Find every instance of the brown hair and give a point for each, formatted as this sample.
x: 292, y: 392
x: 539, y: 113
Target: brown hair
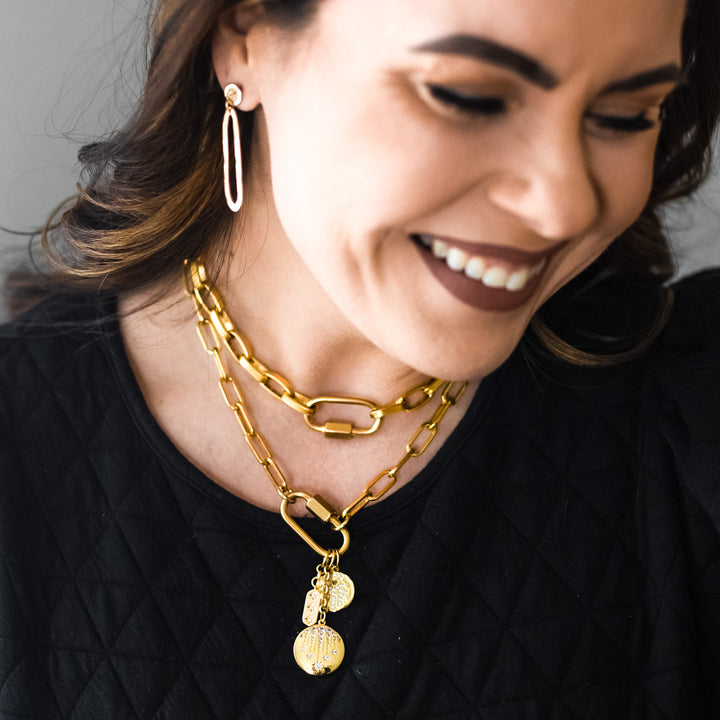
x: 152, y: 196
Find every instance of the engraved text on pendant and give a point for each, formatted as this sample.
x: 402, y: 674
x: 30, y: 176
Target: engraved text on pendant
x: 341, y: 591
x: 319, y: 650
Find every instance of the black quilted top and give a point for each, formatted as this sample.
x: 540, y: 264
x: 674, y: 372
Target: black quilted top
x: 558, y: 558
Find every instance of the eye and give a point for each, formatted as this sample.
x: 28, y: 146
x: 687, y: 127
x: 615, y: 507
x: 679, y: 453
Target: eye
x: 466, y: 104
x: 623, y: 124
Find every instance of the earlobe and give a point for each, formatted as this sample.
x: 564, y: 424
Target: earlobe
x: 230, y: 56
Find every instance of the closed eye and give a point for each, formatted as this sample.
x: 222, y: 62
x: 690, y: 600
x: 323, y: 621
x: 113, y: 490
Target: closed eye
x: 483, y: 105
x: 467, y: 104
x: 623, y: 124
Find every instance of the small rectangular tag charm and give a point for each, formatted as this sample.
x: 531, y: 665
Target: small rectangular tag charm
x: 313, y: 601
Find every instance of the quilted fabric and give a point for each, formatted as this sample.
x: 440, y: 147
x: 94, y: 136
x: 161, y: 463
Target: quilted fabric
x: 558, y: 558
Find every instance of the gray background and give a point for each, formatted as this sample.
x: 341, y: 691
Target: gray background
x: 72, y: 68
x: 70, y: 71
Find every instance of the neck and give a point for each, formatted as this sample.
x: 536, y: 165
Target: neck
x: 293, y: 328
x: 292, y: 325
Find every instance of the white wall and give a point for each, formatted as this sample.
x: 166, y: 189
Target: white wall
x: 70, y: 68
x: 69, y: 71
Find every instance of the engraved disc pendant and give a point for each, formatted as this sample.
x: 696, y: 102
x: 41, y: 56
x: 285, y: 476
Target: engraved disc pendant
x: 341, y: 591
x: 319, y: 650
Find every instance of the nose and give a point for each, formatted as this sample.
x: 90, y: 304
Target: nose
x: 549, y: 185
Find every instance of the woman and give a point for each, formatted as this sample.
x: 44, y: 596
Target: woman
x: 356, y: 536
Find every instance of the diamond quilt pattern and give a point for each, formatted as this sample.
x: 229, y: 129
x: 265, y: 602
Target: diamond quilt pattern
x: 558, y: 558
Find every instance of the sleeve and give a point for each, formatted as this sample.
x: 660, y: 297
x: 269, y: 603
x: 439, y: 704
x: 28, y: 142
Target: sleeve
x: 688, y: 367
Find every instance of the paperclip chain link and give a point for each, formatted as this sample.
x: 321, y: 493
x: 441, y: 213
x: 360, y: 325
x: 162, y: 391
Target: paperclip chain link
x: 217, y: 331
x: 208, y: 302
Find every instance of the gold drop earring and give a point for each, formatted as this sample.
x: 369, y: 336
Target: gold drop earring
x: 233, y: 98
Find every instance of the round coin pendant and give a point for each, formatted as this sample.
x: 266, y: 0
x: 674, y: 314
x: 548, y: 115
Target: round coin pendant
x: 341, y: 592
x: 319, y: 650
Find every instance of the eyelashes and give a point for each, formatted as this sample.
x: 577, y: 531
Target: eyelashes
x: 488, y: 106
x: 470, y: 104
x: 634, y: 123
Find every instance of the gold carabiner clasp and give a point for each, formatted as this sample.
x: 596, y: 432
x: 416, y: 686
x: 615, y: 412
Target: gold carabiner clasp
x: 322, y: 510
x: 340, y: 429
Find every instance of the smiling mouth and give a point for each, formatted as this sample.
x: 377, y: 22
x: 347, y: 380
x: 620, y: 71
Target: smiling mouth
x: 487, y: 277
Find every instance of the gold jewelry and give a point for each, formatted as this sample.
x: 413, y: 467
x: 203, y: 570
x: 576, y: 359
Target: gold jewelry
x: 281, y: 388
x: 318, y: 650
x: 233, y: 98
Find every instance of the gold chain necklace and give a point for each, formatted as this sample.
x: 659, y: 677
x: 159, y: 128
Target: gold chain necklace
x: 318, y: 649
x: 281, y: 388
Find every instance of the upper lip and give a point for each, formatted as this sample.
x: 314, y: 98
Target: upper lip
x: 514, y: 256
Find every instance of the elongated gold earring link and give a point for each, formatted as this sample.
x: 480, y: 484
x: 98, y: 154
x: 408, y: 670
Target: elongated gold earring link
x: 233, y: 98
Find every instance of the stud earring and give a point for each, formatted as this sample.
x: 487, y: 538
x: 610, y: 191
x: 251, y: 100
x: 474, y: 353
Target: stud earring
x: 233, y: 98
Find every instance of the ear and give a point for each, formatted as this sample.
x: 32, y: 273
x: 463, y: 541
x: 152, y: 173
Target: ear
x: 230, y: 55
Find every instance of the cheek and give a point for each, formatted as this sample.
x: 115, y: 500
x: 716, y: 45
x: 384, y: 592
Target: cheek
x: 626, y: 180
x: 359, y: 168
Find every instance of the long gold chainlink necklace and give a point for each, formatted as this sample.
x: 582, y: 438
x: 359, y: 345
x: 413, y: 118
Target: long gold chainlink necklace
x: 318, y: 649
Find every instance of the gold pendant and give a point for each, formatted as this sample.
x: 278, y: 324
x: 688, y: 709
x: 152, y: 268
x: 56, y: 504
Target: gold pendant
x: 319, y: 650
x: 313, y: 605
x: 341, y: 591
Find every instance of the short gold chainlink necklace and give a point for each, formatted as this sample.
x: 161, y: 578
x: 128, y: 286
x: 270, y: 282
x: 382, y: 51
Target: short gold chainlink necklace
x: 281, y: 388
x: 318, y: 649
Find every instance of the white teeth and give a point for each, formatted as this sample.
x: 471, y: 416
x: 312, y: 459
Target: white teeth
x: 480, y: 268
x: 475, y: 268
x: 457, y: 259
x: 440, y: 249
x: 517, y: 280
x: 495, y: 277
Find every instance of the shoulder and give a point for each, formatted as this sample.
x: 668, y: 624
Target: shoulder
x: 695, y: 323
x: 57, y: 324
x: 685, y: 365
x: 686, y: 358
x: 53, y: 349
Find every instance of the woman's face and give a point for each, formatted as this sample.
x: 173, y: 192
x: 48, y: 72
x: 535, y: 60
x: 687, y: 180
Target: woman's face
x: 443, y: 167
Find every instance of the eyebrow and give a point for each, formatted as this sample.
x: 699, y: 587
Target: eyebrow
x: 479, y: 48
x: 664, y: 74
x: 494, y: 53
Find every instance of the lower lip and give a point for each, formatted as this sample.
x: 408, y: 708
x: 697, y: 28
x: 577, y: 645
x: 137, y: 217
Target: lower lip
x: 473, y: 292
